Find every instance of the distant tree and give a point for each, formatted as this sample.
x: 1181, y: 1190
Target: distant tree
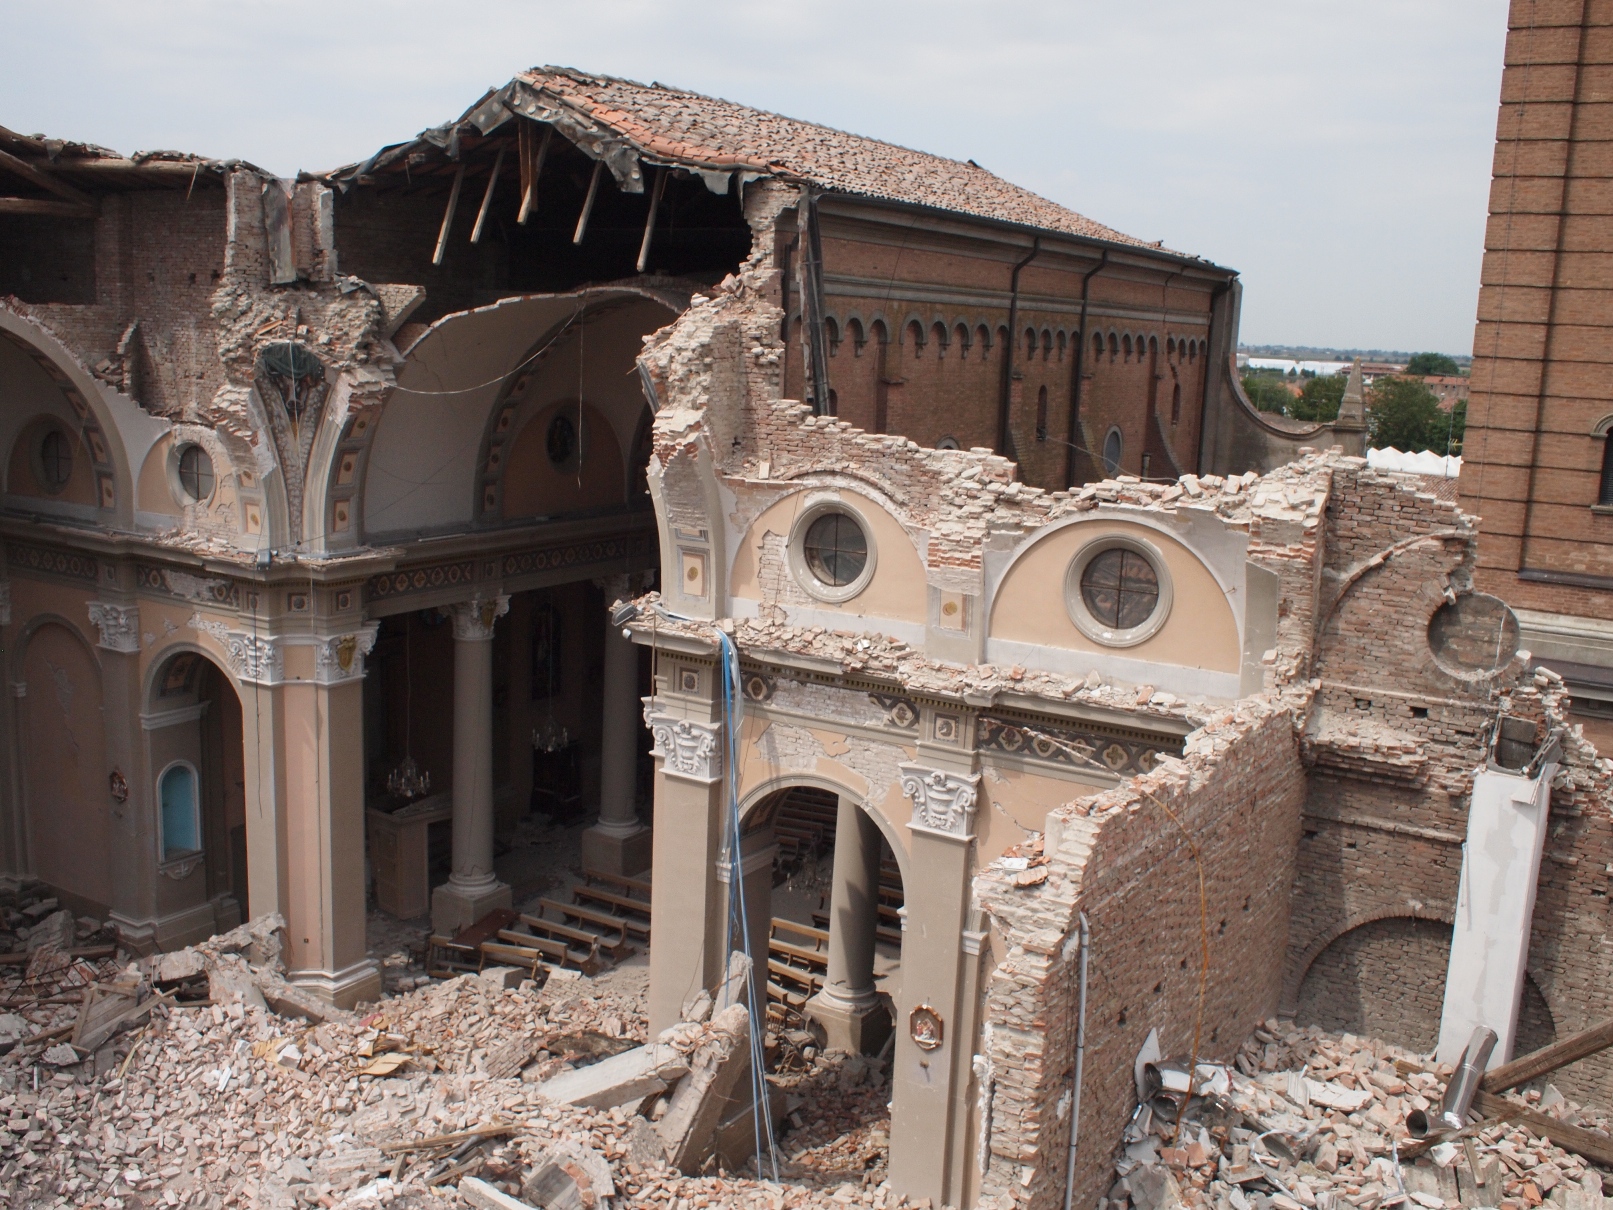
x: 1267, y: 392
x: 1404, y: 413
x: 1433, y: 365
x: 1456, y: 427
x: 1319, y: 398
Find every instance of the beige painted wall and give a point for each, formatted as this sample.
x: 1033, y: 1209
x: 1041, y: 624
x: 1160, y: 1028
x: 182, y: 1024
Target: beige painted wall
x: 897, y: 589
x: 1201, y: 631
x: 152, y: 494
x: 1014, y: 803
x: 22, y: 477
x: 534, y: 486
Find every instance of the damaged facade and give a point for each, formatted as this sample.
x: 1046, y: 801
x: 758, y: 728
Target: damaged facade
x: 952, y: 508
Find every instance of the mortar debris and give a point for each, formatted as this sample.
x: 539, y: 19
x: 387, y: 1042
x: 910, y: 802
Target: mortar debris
x: 1306, y: 1118
x: 217, y: 1100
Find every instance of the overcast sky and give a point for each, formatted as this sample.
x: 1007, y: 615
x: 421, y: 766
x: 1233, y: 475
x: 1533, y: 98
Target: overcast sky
x: 1335, y: 152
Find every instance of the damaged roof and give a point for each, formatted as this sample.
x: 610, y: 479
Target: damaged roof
x: 624, y: 122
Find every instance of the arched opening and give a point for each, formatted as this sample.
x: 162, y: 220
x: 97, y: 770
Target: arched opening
x: 194, y: 735
x: 824, y: 888
x: 1382, y: 979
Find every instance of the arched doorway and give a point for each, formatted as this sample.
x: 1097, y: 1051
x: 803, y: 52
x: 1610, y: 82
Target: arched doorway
x: 67, y: 813
x: 824, y: 899
x: 196, y: 759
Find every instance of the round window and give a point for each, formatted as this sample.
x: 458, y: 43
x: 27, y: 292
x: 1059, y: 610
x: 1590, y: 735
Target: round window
x: 1117, y: 591
x: 196, y: 472
x: 561, y: 440
x: 1112, y: 449
x: 836, y: 549
x: 55, y: 461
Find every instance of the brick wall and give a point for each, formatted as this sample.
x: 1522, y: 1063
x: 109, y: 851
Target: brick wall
x: 1542, y: 347
x: 1120, y: 858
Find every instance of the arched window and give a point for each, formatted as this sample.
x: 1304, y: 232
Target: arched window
x: 983, y: 338
x: 854, y: 329
x: 1605, y: 496
x: 1125, y: 346
x: 1063, y: 340
x: 961, y: 335
x: 1097, y: 344
x: 831, y: 333
x: 1153, y: 344
x: 1047, y: 344
x: 879, y: 332
x: 1192, y: 350
x: 1114, y: 346
x: 1041, y: 414
x: 939, y: 332
x: 181, y: 818
x: 1030, y: 344
x: 1176, y: 403
x: 834, y: 402
x: 915, y: 336
x: 1170, y: 346
x: 1002, y: 339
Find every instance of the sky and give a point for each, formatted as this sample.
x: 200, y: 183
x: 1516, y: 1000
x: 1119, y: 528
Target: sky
x: 1335, y: 152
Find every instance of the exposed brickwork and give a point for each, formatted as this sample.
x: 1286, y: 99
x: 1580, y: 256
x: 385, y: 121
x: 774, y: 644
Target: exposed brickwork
x: 1122, y: 860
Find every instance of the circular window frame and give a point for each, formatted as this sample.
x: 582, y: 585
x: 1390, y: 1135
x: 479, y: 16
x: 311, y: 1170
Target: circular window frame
x: 36, y: 457
x: 802, y: 572
x: 176, y: 485
x: 1075, y: 604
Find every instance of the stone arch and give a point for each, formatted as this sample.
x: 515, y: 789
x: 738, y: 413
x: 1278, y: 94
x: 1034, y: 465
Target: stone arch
x: 97, y: 428
x: 763, y: 790
x: 1385, y: 979
x: 1301, y: 965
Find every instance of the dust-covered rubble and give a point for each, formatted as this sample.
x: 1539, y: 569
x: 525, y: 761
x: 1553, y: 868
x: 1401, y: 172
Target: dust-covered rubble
x: 1305, y: 1118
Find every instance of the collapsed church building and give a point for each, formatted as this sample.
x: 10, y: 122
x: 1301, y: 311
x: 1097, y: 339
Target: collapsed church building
x: 614, y: 446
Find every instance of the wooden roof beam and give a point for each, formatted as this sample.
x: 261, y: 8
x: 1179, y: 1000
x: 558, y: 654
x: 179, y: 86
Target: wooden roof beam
x: 47, y: 182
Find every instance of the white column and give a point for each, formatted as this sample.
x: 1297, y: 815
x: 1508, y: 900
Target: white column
x: 618, y: 843
x: 848, y: 1007
x: 472, y: 889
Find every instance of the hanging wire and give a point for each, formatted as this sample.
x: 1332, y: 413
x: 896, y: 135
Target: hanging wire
x: 761, y: 1109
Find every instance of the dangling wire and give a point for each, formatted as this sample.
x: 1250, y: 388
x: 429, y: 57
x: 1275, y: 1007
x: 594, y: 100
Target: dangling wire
x: 738, y: 933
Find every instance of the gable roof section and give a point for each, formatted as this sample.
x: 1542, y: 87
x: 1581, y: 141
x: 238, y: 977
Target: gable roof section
x: 624, y: 122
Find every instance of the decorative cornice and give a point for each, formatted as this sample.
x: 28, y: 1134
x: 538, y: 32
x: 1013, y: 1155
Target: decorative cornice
x: 119, y: 625
x: 687, y: 749
x: 474, y: 620
x: 943, y: 803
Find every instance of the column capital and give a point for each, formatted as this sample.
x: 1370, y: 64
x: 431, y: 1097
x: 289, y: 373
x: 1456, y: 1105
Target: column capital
x: 688, y: 749
x: 474, y: 620
x: 341, y: 657
x: 119, y: 625
x: 944, y: 803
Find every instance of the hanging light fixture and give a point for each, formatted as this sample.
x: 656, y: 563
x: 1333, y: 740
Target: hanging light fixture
x: 407, y: 781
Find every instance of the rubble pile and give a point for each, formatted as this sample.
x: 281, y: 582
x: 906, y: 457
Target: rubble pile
x: 217, y: 1084
x: 1303, y: 1118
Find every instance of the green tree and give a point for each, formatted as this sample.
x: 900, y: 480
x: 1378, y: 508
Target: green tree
x: 1433, y: 365
x: 1266, y: 391
x: 1404, y: 413
x: 1319, y: 398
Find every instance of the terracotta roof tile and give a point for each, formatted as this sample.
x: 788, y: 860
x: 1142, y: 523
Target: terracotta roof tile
x: 687, y: 127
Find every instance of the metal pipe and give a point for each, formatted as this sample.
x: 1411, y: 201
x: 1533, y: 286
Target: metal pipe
x: 1070, y: 450
x: 588, y: 202
x: 487, y: 198
x: 1080, y: 1062
x: 649, y: 220
x: 448, y: 215
x: 1003, y: 417
x: 1459, y: 1089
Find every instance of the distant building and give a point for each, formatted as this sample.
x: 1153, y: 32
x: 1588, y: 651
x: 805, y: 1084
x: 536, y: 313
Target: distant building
x: 1448, y: 388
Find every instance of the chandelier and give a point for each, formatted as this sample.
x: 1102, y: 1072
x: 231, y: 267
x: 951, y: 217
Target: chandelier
x: 407, y: 781
x: 551, y: 737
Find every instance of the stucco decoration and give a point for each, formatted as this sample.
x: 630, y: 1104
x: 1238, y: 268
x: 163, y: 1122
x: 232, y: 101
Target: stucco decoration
x: 687, y: 749
x: 341, y: 657
x: 250, y: 657
x: 119, y: 625
x: 181, y: 868
x: 474, y: 620
x: 943, y: 803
